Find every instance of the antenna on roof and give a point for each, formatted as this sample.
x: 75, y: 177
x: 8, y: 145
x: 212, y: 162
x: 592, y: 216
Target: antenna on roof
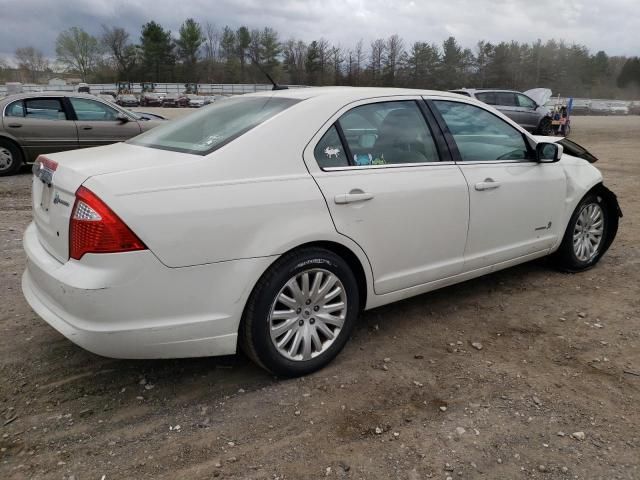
x: 266, y: 74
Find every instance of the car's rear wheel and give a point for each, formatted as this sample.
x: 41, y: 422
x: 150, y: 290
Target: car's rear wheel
x: 301, y: 312
x: 10, y: 158
x: 585, y: 240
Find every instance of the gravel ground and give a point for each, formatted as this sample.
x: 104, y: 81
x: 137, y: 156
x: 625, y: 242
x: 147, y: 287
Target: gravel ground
x: 552, y: 393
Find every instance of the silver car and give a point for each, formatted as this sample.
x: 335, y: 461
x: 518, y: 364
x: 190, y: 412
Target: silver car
x: 47, y: 122
x: 527, y: 109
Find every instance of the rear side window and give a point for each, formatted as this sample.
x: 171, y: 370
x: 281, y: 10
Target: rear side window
x: 506, y: 99
x: 329, y: 151
x: 44, y: 109
x: 480, y: 135
x: 487, y: 97
x: 388, y: 133
x: 15, y: 109
x: 214, y: 126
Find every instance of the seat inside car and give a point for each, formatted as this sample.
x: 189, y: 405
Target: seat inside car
x: 403, y: 138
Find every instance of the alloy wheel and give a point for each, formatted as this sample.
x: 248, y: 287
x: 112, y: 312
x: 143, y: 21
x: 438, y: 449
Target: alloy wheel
x: 308, y: 314
x: 6, y: 159
x: 588, y: 232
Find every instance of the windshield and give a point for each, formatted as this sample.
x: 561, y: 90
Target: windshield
x: 214, y: 126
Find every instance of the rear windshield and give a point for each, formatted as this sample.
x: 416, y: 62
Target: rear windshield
x: 214, y: 126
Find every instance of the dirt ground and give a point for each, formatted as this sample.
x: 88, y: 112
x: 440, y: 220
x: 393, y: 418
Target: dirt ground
x: 552, y: 394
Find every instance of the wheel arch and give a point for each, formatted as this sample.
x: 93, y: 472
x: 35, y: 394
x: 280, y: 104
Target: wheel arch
x: 613, y: 209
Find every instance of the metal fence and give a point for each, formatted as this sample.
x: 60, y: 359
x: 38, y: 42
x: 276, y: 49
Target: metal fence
x: 203, y: 88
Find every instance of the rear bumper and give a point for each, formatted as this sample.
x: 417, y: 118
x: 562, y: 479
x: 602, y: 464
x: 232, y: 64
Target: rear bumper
x: 129, y: 305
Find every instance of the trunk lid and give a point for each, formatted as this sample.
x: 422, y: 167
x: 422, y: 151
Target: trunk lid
x: 53, y: 192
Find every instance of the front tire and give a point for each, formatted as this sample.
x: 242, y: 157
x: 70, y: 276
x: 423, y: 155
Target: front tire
x: 586, y: 238
x: 300, y: 313
x: 545, y: 128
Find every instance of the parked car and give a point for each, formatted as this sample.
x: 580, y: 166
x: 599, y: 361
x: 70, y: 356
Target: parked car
x: 196, y: 101
x: 47, y: 122
x: 527, y: 109
x: 270, y: 220
x: 634, y: 108
x: 127, y: 100
x: 175, y: 100
x: 150, y: 99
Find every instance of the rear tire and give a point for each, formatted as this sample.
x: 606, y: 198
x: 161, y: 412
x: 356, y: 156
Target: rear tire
x: 300, y: 313
x: 10, y: 158
x: 587, y: 236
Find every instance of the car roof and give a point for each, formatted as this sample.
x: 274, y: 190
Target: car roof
x: 350, y: 93
x: 484, y: 90
x: 18, y: 96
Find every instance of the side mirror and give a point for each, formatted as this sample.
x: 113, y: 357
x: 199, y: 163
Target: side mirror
x: 547, y: 152
x: 122, y: 118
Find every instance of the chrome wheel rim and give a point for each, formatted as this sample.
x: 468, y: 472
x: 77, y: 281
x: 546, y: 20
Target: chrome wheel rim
x: 308, y: 314
x: 588, y: 232
x: 6, y: 159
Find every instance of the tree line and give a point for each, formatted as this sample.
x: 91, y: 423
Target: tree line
x: 204, y: 53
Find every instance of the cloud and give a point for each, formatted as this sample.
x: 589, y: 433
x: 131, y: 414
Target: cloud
x: 611, y: 26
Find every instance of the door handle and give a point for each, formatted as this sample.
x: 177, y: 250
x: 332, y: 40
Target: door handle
x: 14, y: 125
x: 488, y: 184
x: 87, y: 127
x: 352, y: 197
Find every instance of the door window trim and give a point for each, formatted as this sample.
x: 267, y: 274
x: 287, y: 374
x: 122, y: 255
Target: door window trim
x: 442, y: 149
x: 453, y: 146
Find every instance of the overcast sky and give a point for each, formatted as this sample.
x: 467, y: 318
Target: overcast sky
x: 610, y: 25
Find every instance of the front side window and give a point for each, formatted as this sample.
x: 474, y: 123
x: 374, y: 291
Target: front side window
x: 15, y: 109
x: 329, y: 152
x: 209, y: 129
x: 44, y: 109
x: 525, y: 101
x: 92, y: 111
x: 388, y: 133
x: 480, y: 135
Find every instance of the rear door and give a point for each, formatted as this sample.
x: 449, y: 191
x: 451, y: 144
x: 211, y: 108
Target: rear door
x: 41, y: 124
x: 390, y: 186
x: 516, y: 203
x: 98, y: 123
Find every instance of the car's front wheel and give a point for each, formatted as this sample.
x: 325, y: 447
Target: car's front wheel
x: 545, y: 128
x: 301, y: 312
x: 586, y: 238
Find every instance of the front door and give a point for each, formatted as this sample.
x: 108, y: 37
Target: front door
x: 42, y: 125
x: 515, y: 202
x: 528, y: 112
x: 98, y: 123
x: 386, y: 189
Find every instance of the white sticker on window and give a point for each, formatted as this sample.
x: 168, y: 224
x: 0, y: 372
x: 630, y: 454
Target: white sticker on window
x: 332, y: 152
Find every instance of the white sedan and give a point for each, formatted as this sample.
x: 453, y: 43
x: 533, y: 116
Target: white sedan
x: 271, y: 220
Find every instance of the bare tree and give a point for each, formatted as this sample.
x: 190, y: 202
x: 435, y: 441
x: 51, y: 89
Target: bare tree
x: 393, y: 51
x: 116, y: 43
x: 378, y: 48
x: 77, y: 50
x: 32, y: 61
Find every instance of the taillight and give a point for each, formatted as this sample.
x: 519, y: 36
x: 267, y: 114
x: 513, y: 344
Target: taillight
x: 95, y: 228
